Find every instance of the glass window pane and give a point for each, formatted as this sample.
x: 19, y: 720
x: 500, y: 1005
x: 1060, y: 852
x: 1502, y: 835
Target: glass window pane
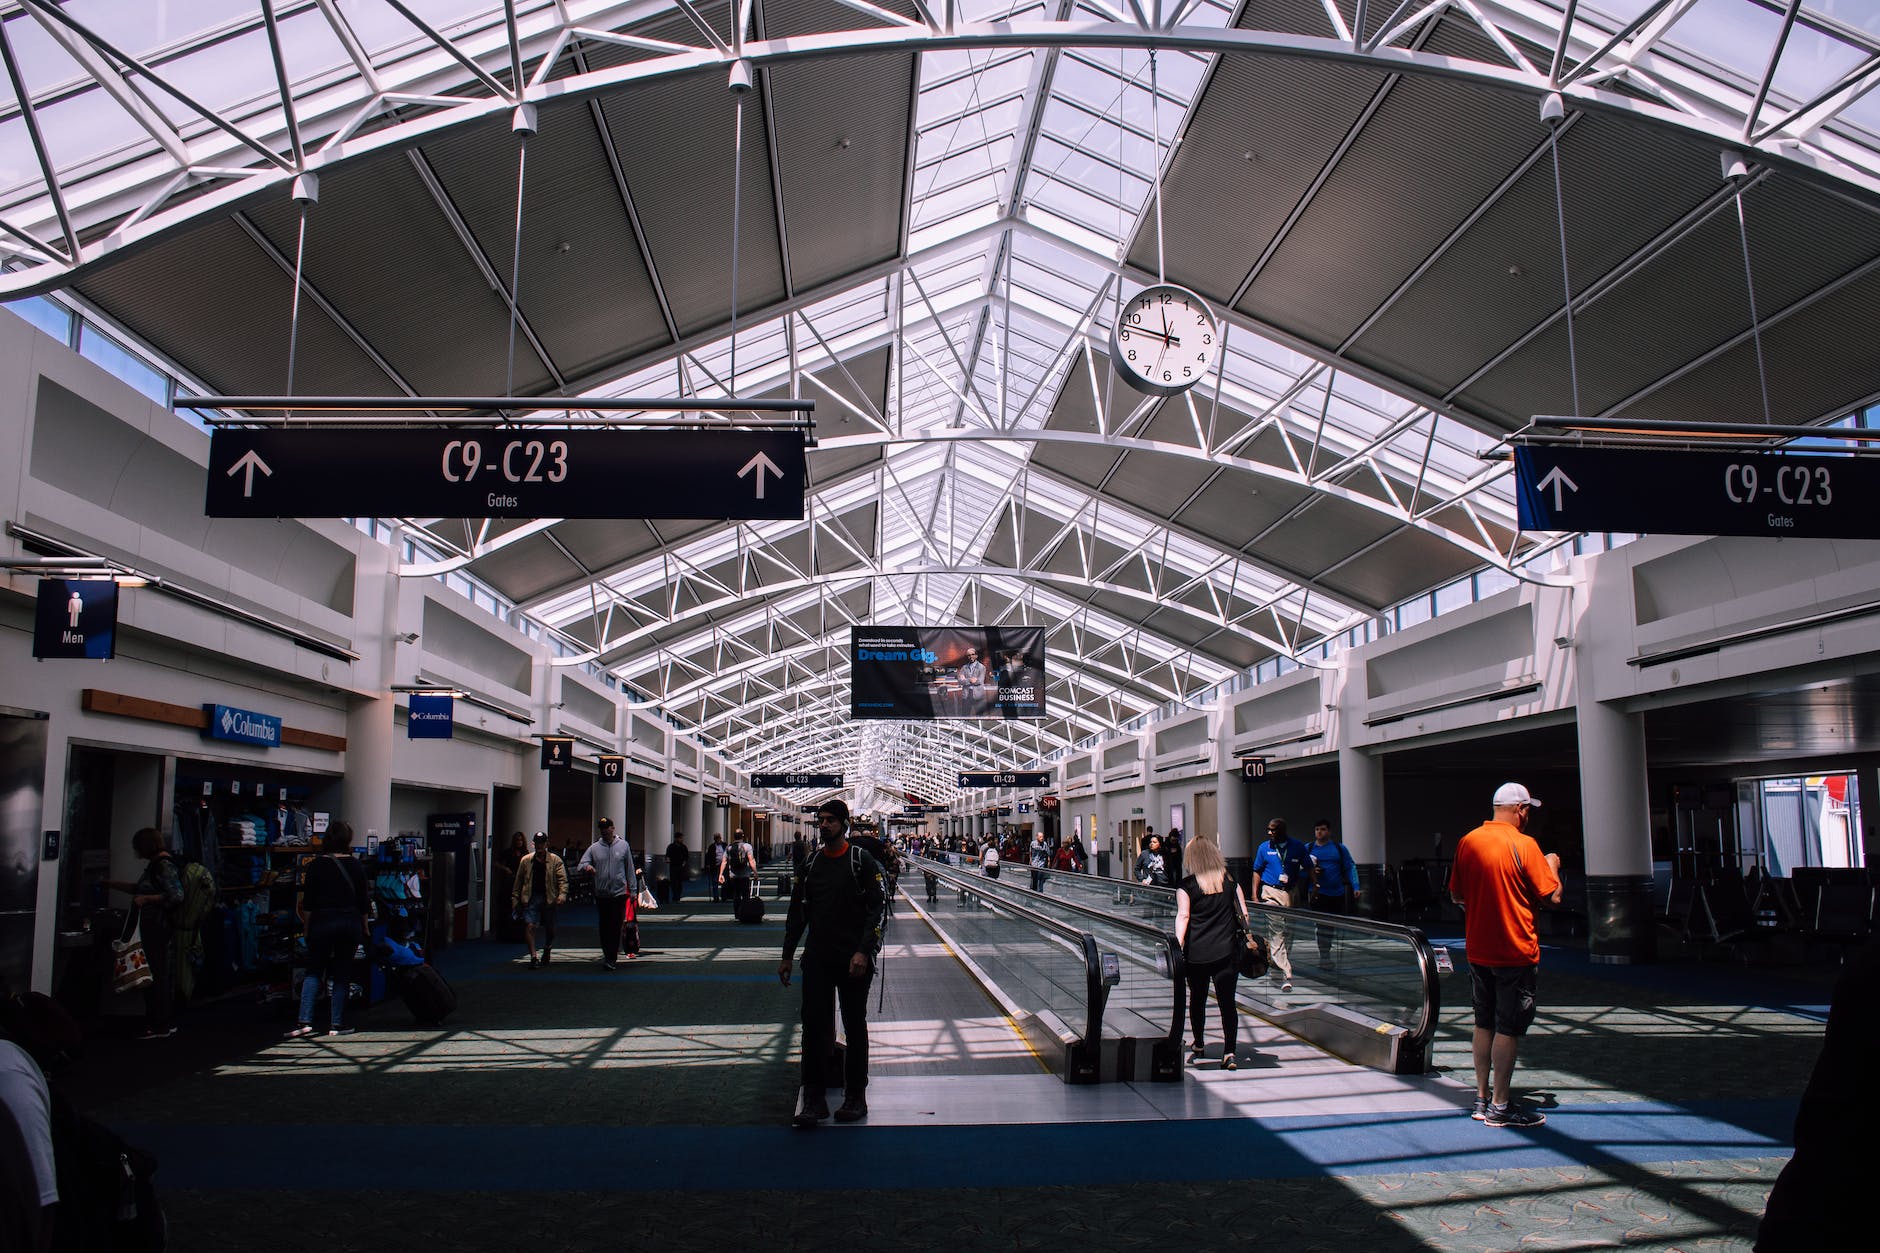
x: 97, y: 346
x: 53, y: 319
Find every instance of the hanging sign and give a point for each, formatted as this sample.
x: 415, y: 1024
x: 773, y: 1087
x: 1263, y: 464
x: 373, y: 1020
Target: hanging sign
x: 1781, y: 494
x: 76, y: 618
x: 722, y: 800
x: 242, y: 726
x: 1005, y: 778
x: 1253, y: 767
x: 557, y: 752
x: 795, y: 780
x: 537, y: 473
x: 613, y: 768
x: 432, y: 716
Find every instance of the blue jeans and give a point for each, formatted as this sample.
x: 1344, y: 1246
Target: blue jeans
x: 332, y: 935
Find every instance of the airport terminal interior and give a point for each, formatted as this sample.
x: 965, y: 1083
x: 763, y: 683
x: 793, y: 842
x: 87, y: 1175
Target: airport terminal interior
x: 1042, y: 426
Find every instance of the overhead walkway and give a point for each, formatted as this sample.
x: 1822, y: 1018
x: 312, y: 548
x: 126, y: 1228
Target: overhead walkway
x: 1364, y: 991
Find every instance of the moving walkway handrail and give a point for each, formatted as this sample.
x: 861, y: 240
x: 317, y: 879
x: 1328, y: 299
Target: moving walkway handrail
x: 1164, y: 939
x: 1097, y: 993
x: 1419, y: 1033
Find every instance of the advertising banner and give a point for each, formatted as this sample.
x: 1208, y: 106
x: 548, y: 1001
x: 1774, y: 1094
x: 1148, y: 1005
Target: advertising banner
x: 929, y: 673
x: 432, y: 717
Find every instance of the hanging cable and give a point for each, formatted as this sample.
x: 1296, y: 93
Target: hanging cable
x: 306, y: 193
x: 524, y: 126
x: 1155, y: 139
x: 740, y: 87
x: 1737, y: 172
x: 1553, y: 112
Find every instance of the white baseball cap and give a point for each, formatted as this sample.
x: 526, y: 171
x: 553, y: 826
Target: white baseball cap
x: 1513, y: 794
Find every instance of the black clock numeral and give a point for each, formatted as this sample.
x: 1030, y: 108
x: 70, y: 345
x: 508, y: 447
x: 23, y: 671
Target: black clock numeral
x: 1124, y: 337
x: 1132, y: 354
x: 1135, y: 319
x: 1187, y: 372
x: 1207, y: 339
x: 1166, y: 376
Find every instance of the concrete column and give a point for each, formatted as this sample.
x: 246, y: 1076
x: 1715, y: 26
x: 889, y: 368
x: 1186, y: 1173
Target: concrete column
x: 1101, y: 859
x: 1867, y: 785
x: 1614, y: 803
x: 366, y: 790
x: 532, y: 796
x: 693, y: 823
x: 1230, y: 812
x: 610, y: 801
x: 658, y: 832
x: 1361, y: 822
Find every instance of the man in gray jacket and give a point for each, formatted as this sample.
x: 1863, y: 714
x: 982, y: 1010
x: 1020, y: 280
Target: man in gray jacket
x: 610, y: 861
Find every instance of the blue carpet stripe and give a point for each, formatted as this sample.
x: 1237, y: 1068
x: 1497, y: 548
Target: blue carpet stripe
x: 578, y: 1158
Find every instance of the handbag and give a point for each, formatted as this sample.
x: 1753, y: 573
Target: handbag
x: 1250, y: 952
x: 131, y: 969
x: 645, y: 899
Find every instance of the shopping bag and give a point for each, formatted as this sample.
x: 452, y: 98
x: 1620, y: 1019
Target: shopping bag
x: 132, y: 967
x: 645, y: 899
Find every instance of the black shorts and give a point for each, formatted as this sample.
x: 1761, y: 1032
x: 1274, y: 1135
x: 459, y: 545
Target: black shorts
x: 1504, y: 997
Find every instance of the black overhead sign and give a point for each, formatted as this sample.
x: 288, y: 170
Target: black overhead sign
x: 1784, y: 494
x: 557, y: 752
x: 76, y: 618
x: 505, y: 473
x: 613, y: 769
x: 1008, y: 778
x: 795, y: 780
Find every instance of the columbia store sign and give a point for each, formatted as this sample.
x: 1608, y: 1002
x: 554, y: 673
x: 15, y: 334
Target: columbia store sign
x: 242, y: 726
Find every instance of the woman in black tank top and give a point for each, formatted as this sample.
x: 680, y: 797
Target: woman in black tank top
x: 1208, y: 909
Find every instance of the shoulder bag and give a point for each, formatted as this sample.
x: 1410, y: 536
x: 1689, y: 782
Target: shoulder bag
x: 1250, y: 953
x: 131, y: 967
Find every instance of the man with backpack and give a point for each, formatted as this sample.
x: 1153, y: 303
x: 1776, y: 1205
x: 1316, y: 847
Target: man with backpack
x: 738, y: 873
x: 842, y: 902
x: 1334, y: 883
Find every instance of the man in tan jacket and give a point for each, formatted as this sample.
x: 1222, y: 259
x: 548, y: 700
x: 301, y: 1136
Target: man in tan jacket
x: 541, y: 885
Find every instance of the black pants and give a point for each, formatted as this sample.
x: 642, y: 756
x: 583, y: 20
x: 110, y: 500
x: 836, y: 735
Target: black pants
x: 611, y: 912
x: 1037, y: 880
x: 738, y: 886
x: 1222, y: 974
x: 826, y: 980
x: 160, y: 951
x: 1340, y: 904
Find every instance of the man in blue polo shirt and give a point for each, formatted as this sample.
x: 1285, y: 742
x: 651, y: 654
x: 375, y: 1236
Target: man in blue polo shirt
x: 1334, y: 883
x: 1277, y: 866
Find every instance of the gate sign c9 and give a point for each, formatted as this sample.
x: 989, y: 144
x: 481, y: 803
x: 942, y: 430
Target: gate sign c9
x: 1789, y: 495
x: 505, y: 473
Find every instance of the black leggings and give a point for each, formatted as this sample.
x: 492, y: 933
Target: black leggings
x: 1224, y: 974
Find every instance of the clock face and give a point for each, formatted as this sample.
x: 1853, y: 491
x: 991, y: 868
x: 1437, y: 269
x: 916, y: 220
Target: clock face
x: 1164, y: 340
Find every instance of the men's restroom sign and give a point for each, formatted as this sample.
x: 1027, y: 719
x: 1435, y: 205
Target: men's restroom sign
x: 76, y: 618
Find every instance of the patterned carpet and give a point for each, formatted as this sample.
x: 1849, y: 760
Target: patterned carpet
x: 664, y: 1089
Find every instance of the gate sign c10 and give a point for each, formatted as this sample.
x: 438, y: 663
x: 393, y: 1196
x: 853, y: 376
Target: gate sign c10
x: 1006, y: 778
x: 1784, y: 494
x: 795, y: 780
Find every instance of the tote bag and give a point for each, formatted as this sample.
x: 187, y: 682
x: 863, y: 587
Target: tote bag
x: 132, y: 968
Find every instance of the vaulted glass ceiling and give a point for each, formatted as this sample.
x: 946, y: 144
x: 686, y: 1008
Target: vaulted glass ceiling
x: 975, y: 459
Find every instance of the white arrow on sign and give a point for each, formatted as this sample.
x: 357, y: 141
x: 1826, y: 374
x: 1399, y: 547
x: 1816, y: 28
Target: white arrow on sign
x: 250, y: 461
x: 1558, y: 480
x: 760, y: 463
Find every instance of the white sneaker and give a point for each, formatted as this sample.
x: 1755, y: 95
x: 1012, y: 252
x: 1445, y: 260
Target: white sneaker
x: 1286, y: 986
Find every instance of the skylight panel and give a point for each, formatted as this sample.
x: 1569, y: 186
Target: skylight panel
x: 143, y: 28
x: 933, y: 234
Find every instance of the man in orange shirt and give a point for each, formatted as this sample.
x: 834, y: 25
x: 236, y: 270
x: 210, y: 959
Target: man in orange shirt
x: 1498, y: 876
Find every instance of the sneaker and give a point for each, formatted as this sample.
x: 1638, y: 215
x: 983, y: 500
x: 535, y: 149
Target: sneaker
x: 609, y: 966
x: 341, y: 1030
x: 1286, y: 985
x: 156, y: 1035
x: 1478, y: 1110
x: 854, y: 1109
x: 633, y: 957
x: 534, y: 962
x: 545, y: 956
x: 1230, y: 1062
x: 1513, y: 1116
x: 300, y: 1032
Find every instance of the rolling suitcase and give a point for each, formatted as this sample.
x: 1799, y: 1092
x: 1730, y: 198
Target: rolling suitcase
x: 749, y: 908
x: 786, y: 883
x: 425, y: 993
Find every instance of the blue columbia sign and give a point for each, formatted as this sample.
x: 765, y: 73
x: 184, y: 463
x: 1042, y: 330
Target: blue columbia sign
x: 432, y: 717
x: 242, y: 726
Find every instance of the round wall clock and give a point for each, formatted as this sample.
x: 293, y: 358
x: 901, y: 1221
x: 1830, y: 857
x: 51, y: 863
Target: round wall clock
x: 1164, y: 339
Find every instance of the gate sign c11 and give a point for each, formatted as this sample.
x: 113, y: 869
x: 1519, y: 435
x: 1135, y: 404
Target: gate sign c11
x: 1005, y: 778
x: 76, y: 618
x: 795, y: 780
